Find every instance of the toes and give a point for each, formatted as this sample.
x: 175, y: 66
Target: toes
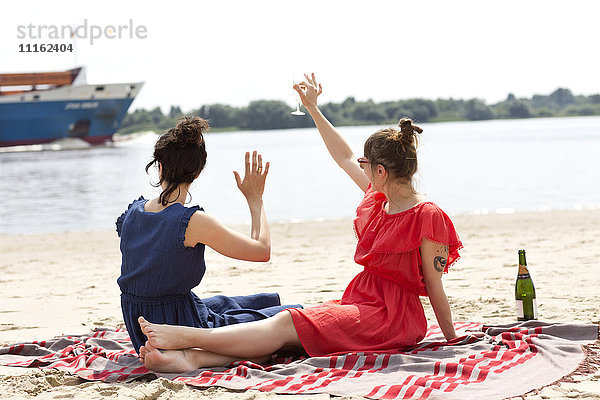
x: 143, y: 353
x: 149, y: 346
x: 144, y: 325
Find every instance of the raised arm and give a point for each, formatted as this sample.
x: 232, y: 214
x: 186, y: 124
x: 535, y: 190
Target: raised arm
x: 434, y: 258
x: 339, y: 149
x: 204, y: 228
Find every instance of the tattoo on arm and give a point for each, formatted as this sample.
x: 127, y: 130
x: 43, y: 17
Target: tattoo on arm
x: 439, y: 263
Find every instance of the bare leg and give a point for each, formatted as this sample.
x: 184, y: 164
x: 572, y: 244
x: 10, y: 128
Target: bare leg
x: 247, y: 340
x: 175, y: 361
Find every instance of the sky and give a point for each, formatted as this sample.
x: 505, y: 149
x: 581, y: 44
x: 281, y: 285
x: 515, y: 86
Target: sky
x: 233, y: 52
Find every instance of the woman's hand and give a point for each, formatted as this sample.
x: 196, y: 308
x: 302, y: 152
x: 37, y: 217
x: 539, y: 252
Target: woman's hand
x: 204, y: 228
x: 253, y: 185
x: 308, y: 91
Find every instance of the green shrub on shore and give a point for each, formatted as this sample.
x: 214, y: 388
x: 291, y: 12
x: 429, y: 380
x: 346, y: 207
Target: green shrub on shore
x: 275, y: 114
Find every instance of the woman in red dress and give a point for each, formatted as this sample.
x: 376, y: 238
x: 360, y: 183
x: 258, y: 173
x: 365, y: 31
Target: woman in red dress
x: 404, y: 243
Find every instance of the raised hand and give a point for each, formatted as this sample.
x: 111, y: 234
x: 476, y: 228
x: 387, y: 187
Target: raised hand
x: 253, y: 184
x: 309, y: 90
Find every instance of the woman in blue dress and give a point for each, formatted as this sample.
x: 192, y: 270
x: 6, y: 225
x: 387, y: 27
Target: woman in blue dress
x: 163, y: 241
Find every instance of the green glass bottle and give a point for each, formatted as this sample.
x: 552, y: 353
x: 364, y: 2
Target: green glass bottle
x: 525, y: 292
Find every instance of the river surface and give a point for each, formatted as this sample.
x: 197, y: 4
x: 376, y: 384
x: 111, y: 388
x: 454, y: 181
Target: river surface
x: 498, y: 166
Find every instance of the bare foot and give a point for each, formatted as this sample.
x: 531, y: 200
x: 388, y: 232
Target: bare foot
x: 178, y: 361
x: 168, y: 336
x: 169, y: 361
x: 143, y: 352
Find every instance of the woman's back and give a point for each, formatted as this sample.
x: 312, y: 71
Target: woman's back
x: 158, y: 273
x: 155, y: 261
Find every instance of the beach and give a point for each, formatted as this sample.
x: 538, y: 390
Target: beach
x: 65, y: 283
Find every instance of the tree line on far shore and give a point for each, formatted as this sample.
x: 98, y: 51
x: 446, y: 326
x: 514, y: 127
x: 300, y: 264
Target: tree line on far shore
x: 274, y: 114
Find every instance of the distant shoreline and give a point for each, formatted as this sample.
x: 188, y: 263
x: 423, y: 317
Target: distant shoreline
x: 276, y: 114
x: 393, y: 123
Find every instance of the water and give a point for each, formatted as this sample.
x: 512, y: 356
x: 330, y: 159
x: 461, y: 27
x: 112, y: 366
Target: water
x: 465, y: 167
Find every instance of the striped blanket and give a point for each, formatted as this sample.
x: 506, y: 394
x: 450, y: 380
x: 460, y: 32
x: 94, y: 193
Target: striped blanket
x: 510, y: 360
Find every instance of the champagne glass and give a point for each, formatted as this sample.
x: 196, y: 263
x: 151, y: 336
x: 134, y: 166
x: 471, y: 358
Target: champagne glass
x: 297, y: 111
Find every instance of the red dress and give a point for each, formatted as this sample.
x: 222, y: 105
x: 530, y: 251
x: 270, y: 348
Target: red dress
x: 380, y: 309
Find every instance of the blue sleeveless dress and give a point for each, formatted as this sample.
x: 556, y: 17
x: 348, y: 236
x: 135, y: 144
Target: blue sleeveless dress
x: 158, y: 273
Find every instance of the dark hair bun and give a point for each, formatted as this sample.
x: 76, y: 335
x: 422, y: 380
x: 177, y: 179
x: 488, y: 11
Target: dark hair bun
x: 407, y: 128
x: 189, y: 130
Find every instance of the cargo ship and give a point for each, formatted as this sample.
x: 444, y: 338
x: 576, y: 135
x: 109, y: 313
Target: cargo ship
x: 42, y: 107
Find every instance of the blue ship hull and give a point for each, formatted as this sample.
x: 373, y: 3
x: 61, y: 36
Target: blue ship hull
x: 93, y: 120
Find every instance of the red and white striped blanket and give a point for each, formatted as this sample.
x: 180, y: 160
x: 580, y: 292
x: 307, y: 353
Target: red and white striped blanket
x: 510, y: 360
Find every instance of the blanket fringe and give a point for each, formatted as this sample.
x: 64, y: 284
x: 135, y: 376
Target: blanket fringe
x: 589, y: 365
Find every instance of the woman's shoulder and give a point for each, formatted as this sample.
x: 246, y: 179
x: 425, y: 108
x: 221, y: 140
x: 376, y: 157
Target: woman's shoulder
x: 434, y: 223
x: 140, y: 199
x: 425, y: 220
x: 121, y: 218
x: 428, y: 214
x: 436, y: 226
x: 429, y: 208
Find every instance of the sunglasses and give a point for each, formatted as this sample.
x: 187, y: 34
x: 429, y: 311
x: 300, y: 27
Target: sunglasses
x: 365, y: 160
x: 362, y: 161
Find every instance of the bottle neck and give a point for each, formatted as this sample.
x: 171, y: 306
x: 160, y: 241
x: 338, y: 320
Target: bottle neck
x: 522, y: 260
x: 522, y: 263
x: 523, y: 269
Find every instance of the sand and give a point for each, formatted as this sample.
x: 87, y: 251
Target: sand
x: 65, y: 283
